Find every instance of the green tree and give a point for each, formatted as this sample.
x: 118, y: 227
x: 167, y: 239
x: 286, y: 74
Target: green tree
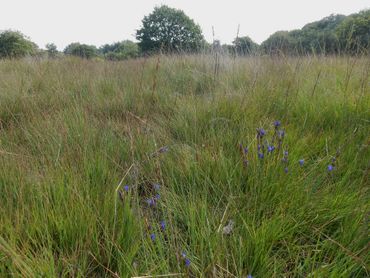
x: 319, y: 37
x: 81, y: 50
x: 51, y: 49
x: 170, y: 30
x: 120, y: 50
x: 354, y: 32
x: 14, y: 44
x: 280, y: 42
x: 245, y: 46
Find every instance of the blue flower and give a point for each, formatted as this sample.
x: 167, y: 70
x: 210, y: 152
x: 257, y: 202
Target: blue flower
x: 157, y: 196
x: 150, y: 202
x: 187, y: 262
x: 330, y: 167
x: 286, y: 169
x: 249, y: 276
x: 152, y: 237
x: 245, y: 150
x: 270, y: 149
x: 301, y: 162
x: 163, y: 225
x: 260, y: 155
x: 126, y: 188
x: 286, y: 153
x: 277, y: 123
x: 261, y: 132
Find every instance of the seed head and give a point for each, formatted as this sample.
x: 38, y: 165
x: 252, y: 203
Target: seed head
x: 156, y: 186
x: 163, y: 149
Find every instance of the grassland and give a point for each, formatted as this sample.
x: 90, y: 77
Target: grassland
x: 74, y: 133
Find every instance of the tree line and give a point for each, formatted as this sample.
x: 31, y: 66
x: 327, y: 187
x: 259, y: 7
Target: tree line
x: 169, y: 30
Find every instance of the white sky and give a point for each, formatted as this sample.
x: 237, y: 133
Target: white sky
x: 98, y: 22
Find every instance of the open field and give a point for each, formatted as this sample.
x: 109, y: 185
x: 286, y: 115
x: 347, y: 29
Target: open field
x: 74, y: 133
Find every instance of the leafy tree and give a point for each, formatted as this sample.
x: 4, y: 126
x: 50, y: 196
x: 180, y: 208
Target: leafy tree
x: 354, y: 32
x: 81, y: 50
x: 244, y: 46
x: 280, y: 42
x: 169, y: 30
x: 319, y: 36
x: 51, y: 49
x: 120, y: 50
x: 13, y: 44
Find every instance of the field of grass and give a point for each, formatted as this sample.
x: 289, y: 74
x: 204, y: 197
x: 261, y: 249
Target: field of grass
x: 140, y: 167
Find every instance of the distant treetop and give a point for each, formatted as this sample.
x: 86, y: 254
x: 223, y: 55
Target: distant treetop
x: 13, y: 44
x: 169, y: 30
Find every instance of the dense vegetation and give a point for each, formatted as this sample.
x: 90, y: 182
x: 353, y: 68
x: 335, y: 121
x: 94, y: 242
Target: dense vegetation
x: 168, y: 30
x: 154, y: 166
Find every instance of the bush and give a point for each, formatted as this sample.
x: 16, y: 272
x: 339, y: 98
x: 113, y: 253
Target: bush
x: 13, y: 44
x: 81, y: 50
x: 120, y: 50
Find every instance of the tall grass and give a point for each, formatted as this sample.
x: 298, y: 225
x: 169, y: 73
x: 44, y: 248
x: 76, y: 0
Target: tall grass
x: 74, y: 132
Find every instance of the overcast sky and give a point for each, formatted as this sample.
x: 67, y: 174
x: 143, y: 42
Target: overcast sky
x: 98, y: 22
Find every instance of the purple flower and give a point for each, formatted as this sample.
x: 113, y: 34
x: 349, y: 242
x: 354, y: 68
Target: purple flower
x: 258, y: 147
x: 286, y: 169
x: 261, y: 132
x: 183, y: 254
x: 150, y: 202
x: 163, y: 225
x: 126, y: 188
x: 270, y: 149
x: 249, y: 276
x: 260, y: 155
x: 187, y: 262
x: 245, y: 150
x: 301, y: 162
x: 330, y: 167
x: 286, y: 153
x: 152, y: 237
x: 157, y: 196
x: 277, y: 123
